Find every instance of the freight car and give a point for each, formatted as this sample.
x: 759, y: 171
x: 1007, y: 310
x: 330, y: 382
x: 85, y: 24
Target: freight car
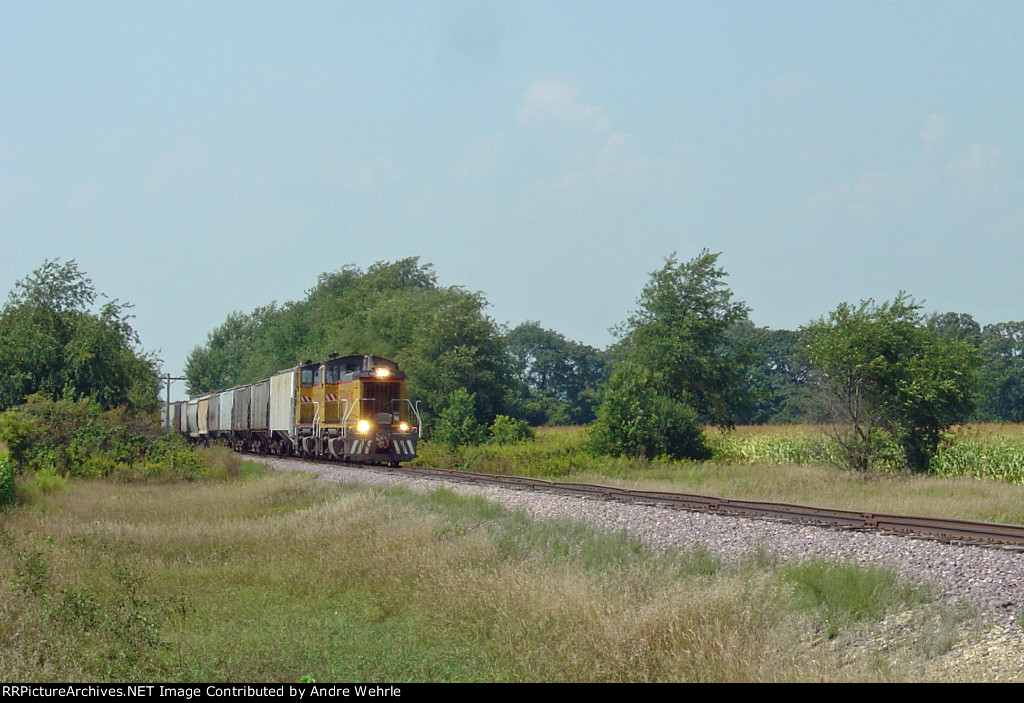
x: 351, y: 408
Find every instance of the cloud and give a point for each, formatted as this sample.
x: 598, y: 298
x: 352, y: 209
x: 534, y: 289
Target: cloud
x: 979, y: 172
x: 182, y: 164
x: 617, y: 169
x: 976, y: 176
x: 549, y: 101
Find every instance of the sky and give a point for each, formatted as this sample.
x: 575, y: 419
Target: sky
x: 198, y: 158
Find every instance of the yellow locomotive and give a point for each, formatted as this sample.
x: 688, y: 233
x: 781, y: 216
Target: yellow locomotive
x: 351, y: 408
x: 355, y: 407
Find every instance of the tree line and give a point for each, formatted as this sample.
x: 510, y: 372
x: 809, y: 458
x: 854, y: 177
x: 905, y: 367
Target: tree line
x: 883, y: 376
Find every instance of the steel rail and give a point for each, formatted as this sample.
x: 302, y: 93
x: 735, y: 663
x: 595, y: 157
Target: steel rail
x: 940, y: 529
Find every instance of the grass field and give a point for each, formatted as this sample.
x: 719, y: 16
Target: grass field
x: 979, y: 474
x: 244, y: 576
x: 281, y: 577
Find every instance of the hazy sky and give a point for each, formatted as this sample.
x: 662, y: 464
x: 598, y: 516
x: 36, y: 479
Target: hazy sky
x: 199, y: 158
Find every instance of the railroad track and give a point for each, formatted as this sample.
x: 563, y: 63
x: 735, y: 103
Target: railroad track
x: 1010, y: 537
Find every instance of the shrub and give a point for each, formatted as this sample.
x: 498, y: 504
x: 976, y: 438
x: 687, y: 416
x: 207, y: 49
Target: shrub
x: 636, y: 420
x: 507, y: 430
x: 6, y: 480
x: 18, y: 433
x: 457, y: 425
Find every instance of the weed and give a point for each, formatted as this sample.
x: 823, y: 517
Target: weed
x: 842, y: 594
x: 31, y: 573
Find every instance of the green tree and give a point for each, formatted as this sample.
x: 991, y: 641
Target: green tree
x: 674, y: 357
x: 457, y: 347
x: 561, y: 378
x: 457, y: 424
x: 776, y: 374
x: 883, y: 375
x: 51, y: 342
x: 636, y: 419
x: 1002, y: 345
x: 680, y: 330
x: 220, y: 363
x: 440, y: 336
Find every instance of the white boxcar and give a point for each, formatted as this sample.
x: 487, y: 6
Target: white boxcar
x: 282, y: 401
x: 227, y: 402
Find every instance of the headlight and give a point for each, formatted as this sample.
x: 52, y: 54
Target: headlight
x: 382, y: 372
x: 403, y: 426
x: 363, y: 426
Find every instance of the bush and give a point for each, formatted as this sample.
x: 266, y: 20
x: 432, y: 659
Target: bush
x: 506, y: 430
x: 6, y: 480
x: 77, y: 438
x: 635, y: 420
x: 18, y: 433
x: 457, y: 425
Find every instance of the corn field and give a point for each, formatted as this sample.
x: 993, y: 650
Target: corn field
x: 992, y: 451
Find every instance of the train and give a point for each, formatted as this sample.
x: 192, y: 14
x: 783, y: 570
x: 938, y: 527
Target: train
x: 347, y: 408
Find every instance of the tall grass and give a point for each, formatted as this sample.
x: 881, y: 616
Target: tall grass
x: 278, y: 578
x: 773, y: 462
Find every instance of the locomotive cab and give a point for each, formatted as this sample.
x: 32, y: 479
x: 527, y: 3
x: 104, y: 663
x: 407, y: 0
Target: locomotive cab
x: 355, y: 408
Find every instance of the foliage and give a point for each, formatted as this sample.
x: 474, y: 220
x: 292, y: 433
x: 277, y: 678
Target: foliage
x: 507, y: 430
x: 562, y: 379
x: 439, y: 336
x: 882, y: 376
x: 675, y: 365
x: 457, y: 425
x: 636, y: 420
x: 6, y: 479
x: 51, y: 343
x: 78, y: 438
x: 680, y: 332
x: 1002, y: 347
x: 18, y: 433
x: 776, y: 374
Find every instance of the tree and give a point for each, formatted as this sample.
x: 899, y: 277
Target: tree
x: 674, y: 355
x: 561, y: 378
x: 50, y: 342
x: 440, y: 337
x: 776, y: 373
x: 1002, y: 345
x: 636, y: 419
x: 458, y: 347
x: 680, y: 331
x: 883, y: 375
x: 457, y: 425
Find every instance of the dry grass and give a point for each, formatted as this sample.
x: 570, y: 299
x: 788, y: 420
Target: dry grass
x: 278, y: 578
x: 769, y: 462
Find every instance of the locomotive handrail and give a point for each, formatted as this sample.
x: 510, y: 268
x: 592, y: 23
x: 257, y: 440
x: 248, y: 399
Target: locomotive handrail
x: 415, y: 411
x: 344, y: 428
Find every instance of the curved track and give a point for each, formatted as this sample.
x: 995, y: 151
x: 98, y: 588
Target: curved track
x: 941, y: 529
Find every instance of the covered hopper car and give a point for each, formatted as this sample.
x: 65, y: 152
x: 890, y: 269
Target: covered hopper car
x: 351, y: 408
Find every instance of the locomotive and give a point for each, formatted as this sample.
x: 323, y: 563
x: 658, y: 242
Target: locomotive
x: 350, y: 408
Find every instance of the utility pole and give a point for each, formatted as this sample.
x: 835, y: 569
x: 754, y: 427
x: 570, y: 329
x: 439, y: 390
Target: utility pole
x: 167, y: 400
